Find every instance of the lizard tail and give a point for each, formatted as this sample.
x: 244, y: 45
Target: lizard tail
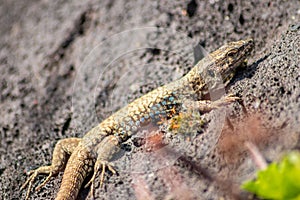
x: 77, y: 169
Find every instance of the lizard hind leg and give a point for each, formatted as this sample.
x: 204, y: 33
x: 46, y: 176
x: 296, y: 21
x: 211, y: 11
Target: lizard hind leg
x: 62, y: 149
x: 105, y: 150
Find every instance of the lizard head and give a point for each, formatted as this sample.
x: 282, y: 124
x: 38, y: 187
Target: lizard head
x: 228, y: 57
x: 216, y: 69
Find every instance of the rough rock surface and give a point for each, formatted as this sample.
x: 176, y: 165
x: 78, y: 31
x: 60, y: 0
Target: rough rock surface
x: 66, y: 65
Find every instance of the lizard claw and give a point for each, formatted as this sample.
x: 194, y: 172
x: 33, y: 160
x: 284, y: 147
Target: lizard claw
x: 99, y: 164
x: 33, y: 174
x: 231, y: 98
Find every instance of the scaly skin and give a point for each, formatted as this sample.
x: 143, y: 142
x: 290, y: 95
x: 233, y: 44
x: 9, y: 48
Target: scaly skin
x: 94, y: 151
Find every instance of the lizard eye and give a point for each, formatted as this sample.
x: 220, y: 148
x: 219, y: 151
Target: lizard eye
x: 231, y: 54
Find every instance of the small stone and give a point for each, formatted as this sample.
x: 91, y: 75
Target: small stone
x: 294, y: 27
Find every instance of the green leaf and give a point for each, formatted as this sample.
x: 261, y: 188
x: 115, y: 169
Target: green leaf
x: 279, y: 180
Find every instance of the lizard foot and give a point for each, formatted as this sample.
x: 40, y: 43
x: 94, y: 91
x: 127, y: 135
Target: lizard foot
x: 230, y: 98
x: 33, y: 174
x: 224, y: 101
x: 63, y: 148
x: 205, y: 106
x: 99, y: 164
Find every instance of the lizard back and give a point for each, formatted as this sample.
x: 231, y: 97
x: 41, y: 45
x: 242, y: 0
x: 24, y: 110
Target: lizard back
x: 166, y: 101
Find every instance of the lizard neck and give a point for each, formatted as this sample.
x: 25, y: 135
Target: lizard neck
x: 196, y: 79
x: 205, y: 77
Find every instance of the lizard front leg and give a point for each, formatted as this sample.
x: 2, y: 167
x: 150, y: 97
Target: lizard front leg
x: 105, y: 151
x: 205, y: 106
x: 62, y: 149
x: 189, y: 117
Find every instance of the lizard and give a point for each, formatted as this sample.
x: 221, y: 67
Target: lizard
x: 93, y: 152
